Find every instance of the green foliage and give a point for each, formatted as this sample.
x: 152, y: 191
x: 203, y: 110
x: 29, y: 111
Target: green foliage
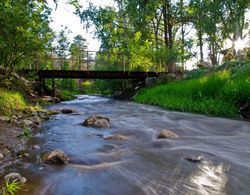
x: 140, y: 54
x: 10, y: 188
x: 218, y: 94
x: 11, y: 102
x: 26, y: 133
x: 67, y: 95
x: 24, y: 31
x: 90, y: 87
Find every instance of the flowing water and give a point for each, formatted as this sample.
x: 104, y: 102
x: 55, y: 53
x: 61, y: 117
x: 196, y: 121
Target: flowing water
x: 141, y: 164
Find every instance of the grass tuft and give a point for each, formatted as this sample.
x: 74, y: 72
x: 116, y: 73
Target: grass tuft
x: 10, y: 188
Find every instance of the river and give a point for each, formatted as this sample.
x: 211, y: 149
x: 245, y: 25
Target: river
x: 142, y: 164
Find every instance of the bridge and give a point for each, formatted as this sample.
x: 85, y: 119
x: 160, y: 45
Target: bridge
x: 79, y: 74
x: 85, y: 65
x: 136, y: 76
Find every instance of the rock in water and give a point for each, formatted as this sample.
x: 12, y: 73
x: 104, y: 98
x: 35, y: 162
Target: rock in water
x: 198, y: 159
x: 56, y: 157
x: 15, y: 177
x: 67, y: 111
x: 165, y: 134
x: 97, y: 122
x: 115, y: 137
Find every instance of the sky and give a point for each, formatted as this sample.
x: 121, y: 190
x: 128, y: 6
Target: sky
x: 64, y: 16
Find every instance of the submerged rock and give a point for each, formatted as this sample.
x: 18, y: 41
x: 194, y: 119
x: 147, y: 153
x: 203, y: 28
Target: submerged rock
x: 165, y: 134
x: 1, y: 156
x: 56, y: 157
x: 97, y: 122
x: 116, y: 137
x: 15, y: 177
x: 198, y: 159
x: 67, y: 111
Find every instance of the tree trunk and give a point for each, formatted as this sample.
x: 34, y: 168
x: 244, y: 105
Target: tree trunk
x: 182, y: 36
x: 200, y: 44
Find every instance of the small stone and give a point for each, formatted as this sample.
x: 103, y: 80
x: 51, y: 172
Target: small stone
x: 56, y: 157
x: 1, y: 156
x: 67, y: 111
x: 15, y: 177
x: 27, y: 123
x: 23, y: 154
x: 36, y: 120
x: 165, y: 134
x: 34, y: 113
x: 4, y: 119
x: 36, y: 147
x: 14, y: 117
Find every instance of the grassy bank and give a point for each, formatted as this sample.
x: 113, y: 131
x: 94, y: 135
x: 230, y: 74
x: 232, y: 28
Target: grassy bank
x: 219, y: 91
x: 11, y: 102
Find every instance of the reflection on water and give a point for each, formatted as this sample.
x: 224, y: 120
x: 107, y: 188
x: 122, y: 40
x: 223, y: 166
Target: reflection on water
x: 142, y: 164
x: 210, y: 179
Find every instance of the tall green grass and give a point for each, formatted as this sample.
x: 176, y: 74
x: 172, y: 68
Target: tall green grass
x: 11, y: 102
x: 219, y: 94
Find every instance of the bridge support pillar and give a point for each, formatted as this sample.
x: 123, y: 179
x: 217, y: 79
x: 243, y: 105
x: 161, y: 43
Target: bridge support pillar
x: 53, y: 87
x: 40, y: 86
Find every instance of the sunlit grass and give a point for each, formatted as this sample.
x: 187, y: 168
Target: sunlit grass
x: 11, y: 102
x: 216, y: 94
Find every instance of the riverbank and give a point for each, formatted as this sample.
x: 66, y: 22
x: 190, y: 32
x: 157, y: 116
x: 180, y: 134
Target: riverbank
x: 21, y: 115
x: 220, y: 91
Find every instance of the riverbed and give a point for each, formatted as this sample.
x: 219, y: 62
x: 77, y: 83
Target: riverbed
x: 141, y: 164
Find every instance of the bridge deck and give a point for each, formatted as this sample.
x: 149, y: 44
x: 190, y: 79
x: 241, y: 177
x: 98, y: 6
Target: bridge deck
x: 76, y: 74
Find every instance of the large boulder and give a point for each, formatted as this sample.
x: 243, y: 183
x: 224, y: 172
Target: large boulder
x: 97, y: 122
x: 165, y: 134
x: 56, y: 157
x: 15, y: 177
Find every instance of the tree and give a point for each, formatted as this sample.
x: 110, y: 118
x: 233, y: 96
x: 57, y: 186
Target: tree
x: 24, y: 31
x: 77, y: 50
